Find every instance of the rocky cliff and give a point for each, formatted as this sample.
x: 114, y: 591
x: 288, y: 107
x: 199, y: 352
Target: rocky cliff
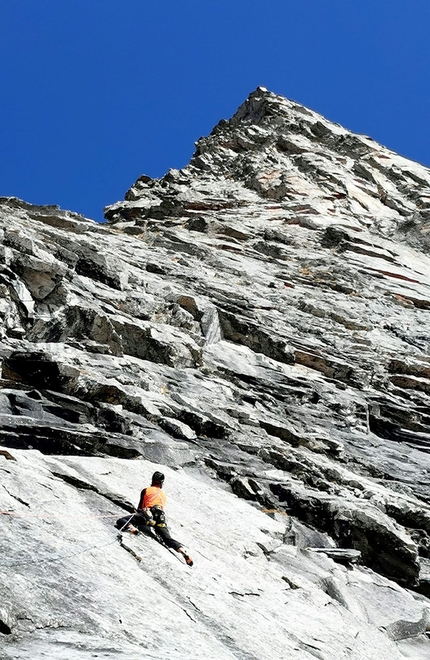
x: 257, y: 325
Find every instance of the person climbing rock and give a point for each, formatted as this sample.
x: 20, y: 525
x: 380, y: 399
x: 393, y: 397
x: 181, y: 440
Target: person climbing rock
x: 150, y: 514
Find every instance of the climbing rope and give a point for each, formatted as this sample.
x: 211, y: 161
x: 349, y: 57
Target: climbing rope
x: 50, y: 560
x: 47, y: 516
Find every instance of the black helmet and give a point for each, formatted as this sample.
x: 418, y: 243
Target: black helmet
x: 157, y: 479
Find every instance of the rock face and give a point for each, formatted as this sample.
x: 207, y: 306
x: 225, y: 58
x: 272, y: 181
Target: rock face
x: 256, y: 324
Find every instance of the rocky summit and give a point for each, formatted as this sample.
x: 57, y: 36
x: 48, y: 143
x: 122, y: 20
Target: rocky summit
x: 256, y: 326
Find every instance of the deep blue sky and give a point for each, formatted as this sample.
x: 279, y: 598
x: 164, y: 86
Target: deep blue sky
x: 94, y: 93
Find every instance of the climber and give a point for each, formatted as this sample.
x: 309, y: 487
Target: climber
x: 150, y: 514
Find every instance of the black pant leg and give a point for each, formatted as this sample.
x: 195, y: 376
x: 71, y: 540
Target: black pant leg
x: 164, y: 534
x: 136, y: 519
x: 122, y: 522
x: 141, y: 522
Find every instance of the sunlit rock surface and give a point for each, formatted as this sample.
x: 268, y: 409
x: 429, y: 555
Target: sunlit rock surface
x: 256, y: 324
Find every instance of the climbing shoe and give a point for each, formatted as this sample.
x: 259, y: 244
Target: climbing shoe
x: 131, y: 529
x: 186, y: 557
